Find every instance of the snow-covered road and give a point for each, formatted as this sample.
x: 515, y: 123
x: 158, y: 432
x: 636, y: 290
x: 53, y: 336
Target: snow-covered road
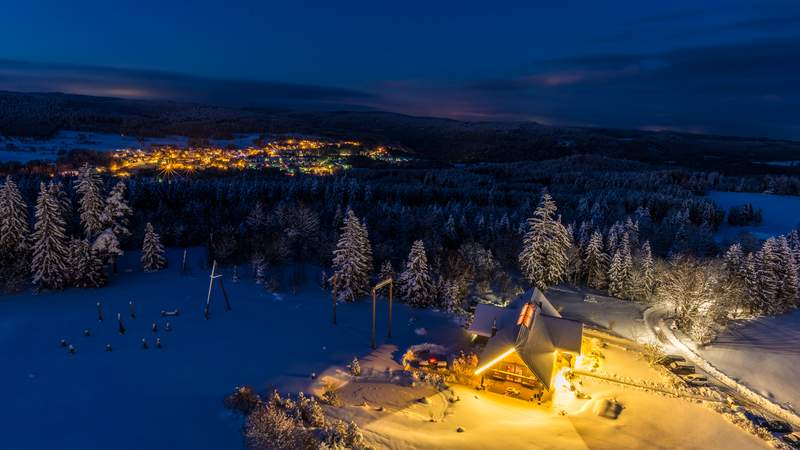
x: 656, y: 319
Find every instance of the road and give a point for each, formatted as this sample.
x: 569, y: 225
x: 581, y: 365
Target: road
x: 658, y: 321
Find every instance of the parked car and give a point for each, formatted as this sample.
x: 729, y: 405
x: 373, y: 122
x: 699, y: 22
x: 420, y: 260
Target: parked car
x: 694, y: 379
x: 793, y: 439
x: 681, y: 368
x: 666, y: 360
x: 778, y: 426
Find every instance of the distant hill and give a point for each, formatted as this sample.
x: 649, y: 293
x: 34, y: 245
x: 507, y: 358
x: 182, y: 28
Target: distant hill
x: 41, y: 115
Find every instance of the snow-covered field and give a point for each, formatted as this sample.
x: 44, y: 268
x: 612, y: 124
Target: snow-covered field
x: 781, y: 213
x: 393, y: 416
x: 171, y: 398
x: 764, y: 354
x: 27, y: 149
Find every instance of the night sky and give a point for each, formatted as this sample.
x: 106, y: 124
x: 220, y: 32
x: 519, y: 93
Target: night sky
x: 718, y: 66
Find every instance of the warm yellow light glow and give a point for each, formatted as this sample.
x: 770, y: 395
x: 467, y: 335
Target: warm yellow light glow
x: 483, y: 368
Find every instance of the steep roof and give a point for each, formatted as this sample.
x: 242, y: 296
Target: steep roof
x: 533, y: 327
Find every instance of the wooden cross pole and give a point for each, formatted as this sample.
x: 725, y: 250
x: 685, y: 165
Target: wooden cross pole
x: 383, y: 283
x: 214, y: 276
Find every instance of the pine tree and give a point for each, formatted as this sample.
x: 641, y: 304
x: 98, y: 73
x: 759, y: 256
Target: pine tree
x: 789, y: 289
x: 647, y: 272
x: 768, y: 263
x: 85, y: 265
x: 117, y: 212
x: 14, y: 229
x: 733, y: 260
x: 152, y: 250
x: 90, y: 204
x: 750, y: 269
x: 352, y: 260
x: 620, y: 274
x: 14, y: 235
x: 387, y: 271
x: 415, y: 284
x: 49, y: 262
x: 543, y: 259
x: 595, y: 262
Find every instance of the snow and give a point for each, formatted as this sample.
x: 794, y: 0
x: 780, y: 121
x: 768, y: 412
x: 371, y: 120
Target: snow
x: 171, y: 398
x: 781, y: 213
x: 763, y: 354
x: 29, y: 149
x: 622, y: 317
x: 393, y: 415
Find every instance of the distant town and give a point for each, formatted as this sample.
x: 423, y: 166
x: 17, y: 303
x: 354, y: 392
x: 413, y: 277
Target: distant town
x: 292, y: 156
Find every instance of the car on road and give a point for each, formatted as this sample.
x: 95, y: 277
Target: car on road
x: 666, y: 360
x: 681, y: 368
x: 793, y: 439
x: 778, y: 426
x: 694, y: 379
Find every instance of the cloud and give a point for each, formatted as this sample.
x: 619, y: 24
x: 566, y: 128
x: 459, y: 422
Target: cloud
x: 746, y: 89
x: 148, y: 84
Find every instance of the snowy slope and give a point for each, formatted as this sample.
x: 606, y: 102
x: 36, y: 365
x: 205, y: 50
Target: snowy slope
x: 170, y: 398
x: 763, y: 354
x: 781, y: 213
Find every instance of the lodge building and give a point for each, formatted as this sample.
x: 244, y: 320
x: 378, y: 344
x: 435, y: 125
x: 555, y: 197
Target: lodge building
x: 523, y: 347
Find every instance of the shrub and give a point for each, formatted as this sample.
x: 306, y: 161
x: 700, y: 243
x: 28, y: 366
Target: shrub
x: 270, y: 428
x: 243, y: 399
x: 354, y: 367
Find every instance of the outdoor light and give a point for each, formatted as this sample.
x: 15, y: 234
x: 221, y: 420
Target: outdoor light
x: 483, y: 368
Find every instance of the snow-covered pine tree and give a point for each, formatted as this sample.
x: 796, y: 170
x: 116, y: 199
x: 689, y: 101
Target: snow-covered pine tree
x: 259, y: 268
x: 352, y: 260
x: 450, y: 228
x: 14, y: 233
x: 647, y: 273
x: 620, y: 274
x: 789, y: 290
x: 387, y: 271
x: 90, y: 202
x: 752, y: 295
x: 152, y: 250
x: 87, y: 268
x: 61, y: 198
x: 543, y: 259
x: 107, y: 247
x: 733, y: 260
x: 768, y: 271
x: 49, y: 260
x: 595, y: 262
x: 117, y: 212
x: 415, y: 284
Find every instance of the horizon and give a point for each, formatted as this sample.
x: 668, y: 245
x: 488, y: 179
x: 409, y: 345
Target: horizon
x: 723, y: 68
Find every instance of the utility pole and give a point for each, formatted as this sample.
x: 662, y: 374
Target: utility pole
x: 380, y: 285
x: 214, y: 276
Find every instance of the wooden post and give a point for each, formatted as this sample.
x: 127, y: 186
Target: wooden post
x: 373, y: 318
x: 210, y: 285
x: 391, y: 285
x: 383, y: 283
x: 224, y: 294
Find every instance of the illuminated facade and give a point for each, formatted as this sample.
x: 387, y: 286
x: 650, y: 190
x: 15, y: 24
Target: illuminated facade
x: 525, y: 344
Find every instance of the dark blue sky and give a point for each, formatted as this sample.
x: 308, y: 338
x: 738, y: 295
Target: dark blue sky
x: 717, y: 66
